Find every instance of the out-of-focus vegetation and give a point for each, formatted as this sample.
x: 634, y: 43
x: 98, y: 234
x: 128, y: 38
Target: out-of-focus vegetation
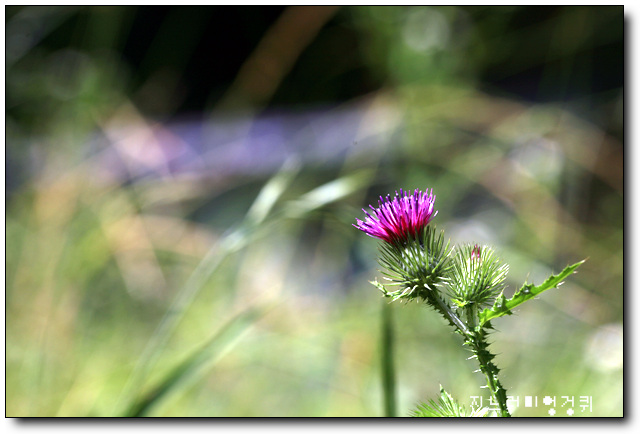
x: 181, y: 184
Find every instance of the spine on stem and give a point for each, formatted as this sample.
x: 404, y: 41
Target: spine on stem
x: 478, y: 344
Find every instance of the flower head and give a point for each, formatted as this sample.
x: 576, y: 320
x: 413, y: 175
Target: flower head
x: 400, y: 218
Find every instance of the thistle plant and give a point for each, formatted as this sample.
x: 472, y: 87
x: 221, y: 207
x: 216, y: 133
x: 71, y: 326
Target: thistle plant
x: 465, y: 284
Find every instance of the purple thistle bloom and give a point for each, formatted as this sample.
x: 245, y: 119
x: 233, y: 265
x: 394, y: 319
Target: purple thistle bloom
x: 399, y: 218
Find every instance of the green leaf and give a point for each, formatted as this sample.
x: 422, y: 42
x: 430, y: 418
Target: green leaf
x: 503, y: 306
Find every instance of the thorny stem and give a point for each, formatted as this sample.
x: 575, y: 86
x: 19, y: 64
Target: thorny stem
x: 476, y: 339
x: 479, y: 346
x: 447, y: 312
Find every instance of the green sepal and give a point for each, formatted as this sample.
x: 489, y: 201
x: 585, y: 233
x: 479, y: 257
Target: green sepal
x: 446, y: 406
x: 502, y: 306
x: 380, y: 287
x: 417, y: 264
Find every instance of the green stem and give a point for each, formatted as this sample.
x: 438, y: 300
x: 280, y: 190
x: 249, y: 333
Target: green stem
x: 434, y: 300
x: 471, y: 316
x: 477, y: 342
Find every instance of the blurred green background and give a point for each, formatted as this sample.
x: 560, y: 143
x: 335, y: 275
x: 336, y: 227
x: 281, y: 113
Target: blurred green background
x: 181, y: 184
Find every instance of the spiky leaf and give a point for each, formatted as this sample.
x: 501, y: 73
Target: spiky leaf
x: 503, y: 306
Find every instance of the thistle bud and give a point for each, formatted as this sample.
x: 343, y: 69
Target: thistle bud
x: 477, y: 276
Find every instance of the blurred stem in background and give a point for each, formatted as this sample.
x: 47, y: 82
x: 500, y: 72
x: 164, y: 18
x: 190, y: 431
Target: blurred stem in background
x: 387, y: 359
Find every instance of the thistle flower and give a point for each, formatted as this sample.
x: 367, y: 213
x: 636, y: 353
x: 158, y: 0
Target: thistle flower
x: 398, y: 219
x: 414, y: 257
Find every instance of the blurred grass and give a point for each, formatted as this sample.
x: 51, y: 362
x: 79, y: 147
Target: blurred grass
x: 94, y: 264
x: 215, y: 348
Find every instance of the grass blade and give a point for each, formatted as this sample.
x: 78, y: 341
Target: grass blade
x: 328, y: 193
x: 209, y: 353
x: 231, y: 242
